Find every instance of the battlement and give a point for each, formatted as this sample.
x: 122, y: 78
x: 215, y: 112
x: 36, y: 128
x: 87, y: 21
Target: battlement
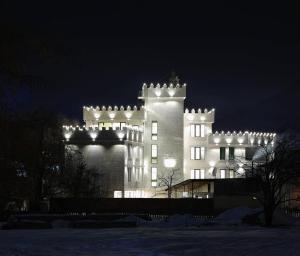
x: 119, y: 114
x: 163, y: 91
x: 205, y: 116
x: 241, y: 138
x: 85, y: 135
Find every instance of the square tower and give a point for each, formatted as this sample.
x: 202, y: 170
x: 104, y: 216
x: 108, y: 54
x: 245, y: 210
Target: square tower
x: 163, y: 133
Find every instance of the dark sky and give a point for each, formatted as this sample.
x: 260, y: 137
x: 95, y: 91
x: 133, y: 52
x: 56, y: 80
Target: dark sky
x: 242, y: 60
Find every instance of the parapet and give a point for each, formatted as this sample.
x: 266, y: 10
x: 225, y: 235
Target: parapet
x: 241, y: 138
x: 163, y: 91
x: 205, y: 116
x: 109, y: 114
x: 94, y: 135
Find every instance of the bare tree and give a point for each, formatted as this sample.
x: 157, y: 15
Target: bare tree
x: 76, y: 179
x: 167, y: 181
x: 275, y: 167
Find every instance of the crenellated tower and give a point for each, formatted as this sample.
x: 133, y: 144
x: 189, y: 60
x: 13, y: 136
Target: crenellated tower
x: 163, y: 130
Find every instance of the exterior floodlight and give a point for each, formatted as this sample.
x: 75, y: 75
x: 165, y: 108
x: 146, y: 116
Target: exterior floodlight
x: 157, y: 92
x: 121, y: 135
x: 68, y: 135
x: 240, y: 170
x: 93, y: 135
x: 169, y: 162
x: 171, y: 92
x: 228, y: 140
x: 128, y: 115
x: 112, y: 115
x: 217, y: 140
x: 240, y: 140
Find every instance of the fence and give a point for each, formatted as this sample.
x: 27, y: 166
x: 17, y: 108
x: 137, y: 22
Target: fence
x: 133, y: 206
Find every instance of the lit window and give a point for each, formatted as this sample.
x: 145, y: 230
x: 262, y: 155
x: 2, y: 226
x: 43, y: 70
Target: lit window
x: 154, y: 130
x: 197, y: 130
x: 197, y: 153
x: 117, y: 194
x: 202, y: 130
x: 222, y: 173
x: 154, y: 153
x: 154, y: 176
x: 116, y: 126
x: 202, y: 172
x: 231, y: 174
x: 122, y: 125
x: 154, y: 173
x: 197, y: 174
x: 202, y: 156
x: 192, y: 153
x: 105, y: 126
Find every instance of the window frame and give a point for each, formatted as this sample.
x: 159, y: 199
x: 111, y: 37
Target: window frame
x: 197, y: 130
x: 197, y: 153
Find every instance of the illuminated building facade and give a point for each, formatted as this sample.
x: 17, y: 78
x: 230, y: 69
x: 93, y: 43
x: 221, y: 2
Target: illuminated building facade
x: 136, y: 147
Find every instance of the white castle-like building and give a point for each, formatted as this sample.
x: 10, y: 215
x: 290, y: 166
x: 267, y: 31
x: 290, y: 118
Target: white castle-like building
x: 135, y: 147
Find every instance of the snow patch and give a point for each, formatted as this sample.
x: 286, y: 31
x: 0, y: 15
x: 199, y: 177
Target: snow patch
x: 235, y: 215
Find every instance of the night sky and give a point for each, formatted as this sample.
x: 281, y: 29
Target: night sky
x: 242, y: 60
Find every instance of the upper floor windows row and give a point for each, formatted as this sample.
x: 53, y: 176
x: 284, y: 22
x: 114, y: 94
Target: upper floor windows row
x: 198, y: 130
x: 114, y: 126
x: 223, y: 174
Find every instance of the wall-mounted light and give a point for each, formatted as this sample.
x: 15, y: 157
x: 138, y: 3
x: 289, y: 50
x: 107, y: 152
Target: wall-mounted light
x: 121, y: 135
x: 240, y: 140
x: 212, y: 163
x: 171, y: 92
x: 190, y: 117
x: 169, y: 162
x: 96, y: 115
x: 157, y: 92
x: 112, y: 115
x: 228, y: 140
x: 217, y: 140
x: 128, y: 114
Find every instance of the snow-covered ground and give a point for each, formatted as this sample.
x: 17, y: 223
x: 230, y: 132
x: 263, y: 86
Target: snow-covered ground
x: 240, y: 240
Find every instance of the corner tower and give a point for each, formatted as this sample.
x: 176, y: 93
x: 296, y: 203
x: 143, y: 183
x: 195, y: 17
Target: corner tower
x: 163, y: 133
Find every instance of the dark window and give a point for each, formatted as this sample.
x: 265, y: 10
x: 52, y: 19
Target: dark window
x: 129, y: 174
x: 250, y: 153
x: 231, y: 153
x: 222, y: 153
